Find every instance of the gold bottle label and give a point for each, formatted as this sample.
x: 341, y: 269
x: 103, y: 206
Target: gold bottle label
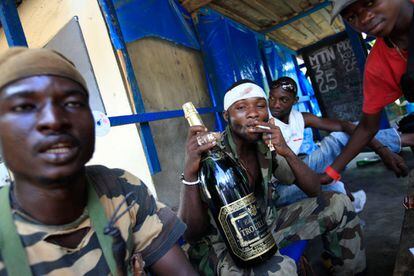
x: 245, y: 229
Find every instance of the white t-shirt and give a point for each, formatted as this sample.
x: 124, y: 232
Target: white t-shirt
x: 293, y: 131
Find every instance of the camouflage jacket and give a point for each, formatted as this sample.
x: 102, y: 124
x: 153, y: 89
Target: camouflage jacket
x: 152, y: 227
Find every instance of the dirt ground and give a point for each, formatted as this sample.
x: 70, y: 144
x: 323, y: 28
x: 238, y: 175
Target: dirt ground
x: 382, y: 216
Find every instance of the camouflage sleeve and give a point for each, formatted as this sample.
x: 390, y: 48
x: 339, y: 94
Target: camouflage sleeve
x: 283, y: 172
x: 157, y: 227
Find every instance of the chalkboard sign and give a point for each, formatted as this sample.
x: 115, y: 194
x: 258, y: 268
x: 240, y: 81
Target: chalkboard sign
x: 336, y: 78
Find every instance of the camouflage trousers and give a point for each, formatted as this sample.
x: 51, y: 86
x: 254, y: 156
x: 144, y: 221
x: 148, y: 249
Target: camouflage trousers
x: 329, y: 215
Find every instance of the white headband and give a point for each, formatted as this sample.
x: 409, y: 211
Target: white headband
x: 242, y: 92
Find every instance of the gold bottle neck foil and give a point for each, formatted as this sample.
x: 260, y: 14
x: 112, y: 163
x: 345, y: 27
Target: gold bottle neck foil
x: 191, y: 114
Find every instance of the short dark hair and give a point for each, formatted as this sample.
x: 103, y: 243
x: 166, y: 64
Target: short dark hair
x: 238, y: 83
x: 286, y: 83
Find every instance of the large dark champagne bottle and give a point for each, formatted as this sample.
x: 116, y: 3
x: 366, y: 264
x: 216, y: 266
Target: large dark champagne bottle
x: 225, y: 186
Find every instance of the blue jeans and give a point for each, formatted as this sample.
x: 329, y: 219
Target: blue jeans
x: 330, y: 147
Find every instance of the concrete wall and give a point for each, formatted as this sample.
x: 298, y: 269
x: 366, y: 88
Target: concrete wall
x: 168, y: 76
x: 41, y: 20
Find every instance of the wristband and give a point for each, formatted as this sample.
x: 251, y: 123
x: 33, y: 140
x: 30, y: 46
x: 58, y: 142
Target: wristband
x: 332, y: 173
x: 189, y: 183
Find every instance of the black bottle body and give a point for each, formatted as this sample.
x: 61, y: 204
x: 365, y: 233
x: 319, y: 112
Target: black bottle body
x: 234, y: 207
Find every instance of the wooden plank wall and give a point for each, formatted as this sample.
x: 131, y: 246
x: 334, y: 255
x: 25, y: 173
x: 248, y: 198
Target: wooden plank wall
x: 168, y: 76
x: 42, y: 20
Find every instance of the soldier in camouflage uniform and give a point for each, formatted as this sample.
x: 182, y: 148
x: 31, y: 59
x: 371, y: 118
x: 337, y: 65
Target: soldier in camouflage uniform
x: 328, y: 214
x: 53, y: 217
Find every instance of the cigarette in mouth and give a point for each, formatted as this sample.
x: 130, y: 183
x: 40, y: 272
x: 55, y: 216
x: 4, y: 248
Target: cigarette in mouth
x: 270, y: 145
x: 263, y: 127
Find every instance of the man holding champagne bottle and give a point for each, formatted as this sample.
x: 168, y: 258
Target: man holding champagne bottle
x: 249, y: 139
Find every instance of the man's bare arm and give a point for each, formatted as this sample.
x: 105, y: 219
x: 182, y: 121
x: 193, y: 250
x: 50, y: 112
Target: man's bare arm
x: 328, y: 124
x: 174, y: 262
x: 194, y: 213
x: 331, y: 125
x: 306, y: 179
x: 393, y: 161
x: 364, y: 132
x: 192, y: 210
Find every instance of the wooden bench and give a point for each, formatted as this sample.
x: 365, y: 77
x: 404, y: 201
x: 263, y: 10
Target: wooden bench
x: 404, y: 263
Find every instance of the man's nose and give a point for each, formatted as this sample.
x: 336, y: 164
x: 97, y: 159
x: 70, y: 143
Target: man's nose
x: 276, y: 103
x: 253, y: 112
x: 52, y: 118
x: 365, y: 16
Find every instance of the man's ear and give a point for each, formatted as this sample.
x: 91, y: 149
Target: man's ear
x: 296, y: 99
x: 226, y: 116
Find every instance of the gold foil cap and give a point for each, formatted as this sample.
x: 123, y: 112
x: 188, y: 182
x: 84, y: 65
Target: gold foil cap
x: 191, y: 114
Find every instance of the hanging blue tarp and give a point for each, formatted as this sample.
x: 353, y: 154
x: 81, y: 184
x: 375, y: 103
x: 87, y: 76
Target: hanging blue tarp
x: 230, y: 51
x: 164, y: 19
x: 307, y: 90
x: 279, y: 62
